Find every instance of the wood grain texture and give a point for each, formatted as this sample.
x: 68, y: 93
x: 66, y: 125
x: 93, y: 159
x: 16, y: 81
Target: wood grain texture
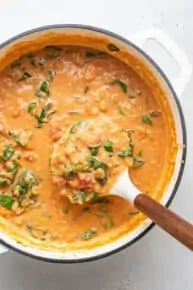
x: 176, y: 226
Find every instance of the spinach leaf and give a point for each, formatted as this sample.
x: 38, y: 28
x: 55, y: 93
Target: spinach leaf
x: 76, y: 125
x: 7, y: 152
x: 79, y: 197
x: 25, y: 76
x: 44, y: 90
x: 86, y: 89
x: 94, y: 150
x: 14, y: 169
x: 22, y: 138
x: 37, y: 232
x: 6, y: 201
x: 44, y: 115
x: 26, y: 181
x: 121, y: 84
x: 126, y: 153
x: 145, y: 119
x: 121, y: 111
x: 95, y: 164
x: 4, y: 181
x: 108, y: 146
x: 31, y: 107
x: 69, y: 172
x: 113, y: 47
x: 90, y: 233
x: 138, y: 160
x: 94, y: 197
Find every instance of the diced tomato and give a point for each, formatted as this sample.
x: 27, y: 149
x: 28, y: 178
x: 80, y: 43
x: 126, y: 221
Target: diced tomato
x: 60, y: 182
x: 85, y: 181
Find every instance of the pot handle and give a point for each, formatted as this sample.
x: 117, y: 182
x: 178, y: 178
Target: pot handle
x: 173, y: 49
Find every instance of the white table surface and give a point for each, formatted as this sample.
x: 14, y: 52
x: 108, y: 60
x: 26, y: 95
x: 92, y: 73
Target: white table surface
x: 155, y: 262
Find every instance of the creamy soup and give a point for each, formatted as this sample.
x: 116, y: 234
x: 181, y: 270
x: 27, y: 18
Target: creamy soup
x: 71, y: 120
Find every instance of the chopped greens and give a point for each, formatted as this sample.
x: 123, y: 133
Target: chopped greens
x: 31, y: 107
x: 121, y: 111
x: 6, y: 201
x: 44, y: 90
x: 69, y: 172
x: 86, y: 89
x: 113, y: 47
x: 90, y: 233
x: 25, y: 76
x: 138, y: 160
x: 44, y: 115
x: 94, y: 197
x: 37, y: 232
x: 121, y: 84
x: 7, y: 152
x: 108, y: 146
x: 154, y: 114
x: 96, y: 164
x: 75, y: 127
x: 94, y: 150
x: 21, y: 137
x: 126, y: 153
x: 26, y: 181
x: 79, y: 197
x: 145, y: 119
x: 4, y: 182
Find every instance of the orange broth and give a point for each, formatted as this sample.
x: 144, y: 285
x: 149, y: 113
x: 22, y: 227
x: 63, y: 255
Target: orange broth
x: 43, y: 95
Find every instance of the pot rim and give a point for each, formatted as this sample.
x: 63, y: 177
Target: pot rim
x: 182, y: 121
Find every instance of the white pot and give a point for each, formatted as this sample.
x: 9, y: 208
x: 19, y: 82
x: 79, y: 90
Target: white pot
x: 173, y: 88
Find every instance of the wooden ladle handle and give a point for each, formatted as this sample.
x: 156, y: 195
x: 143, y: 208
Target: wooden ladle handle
x: 176, y: 226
